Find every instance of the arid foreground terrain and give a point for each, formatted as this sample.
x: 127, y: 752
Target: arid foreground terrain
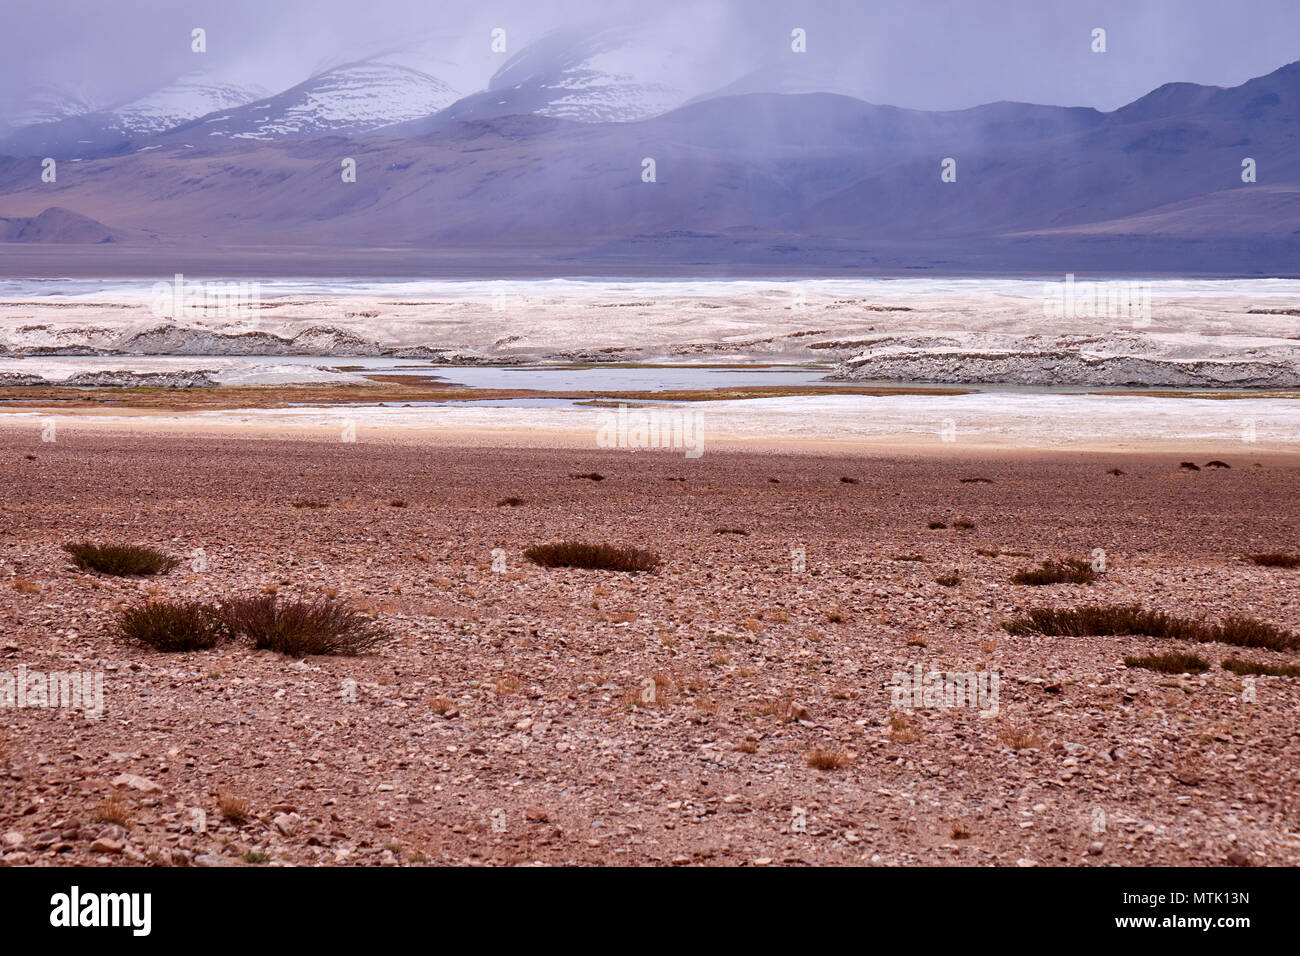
x: 508, y: 719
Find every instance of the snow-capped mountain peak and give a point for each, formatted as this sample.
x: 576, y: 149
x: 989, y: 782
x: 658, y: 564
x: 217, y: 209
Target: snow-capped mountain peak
x: 348, y: 100
x: 191, y: 96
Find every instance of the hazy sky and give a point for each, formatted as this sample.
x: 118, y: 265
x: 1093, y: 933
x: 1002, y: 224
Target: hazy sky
x: 931, y: 54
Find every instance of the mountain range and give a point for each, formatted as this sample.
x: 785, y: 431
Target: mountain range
x: 552, y: 157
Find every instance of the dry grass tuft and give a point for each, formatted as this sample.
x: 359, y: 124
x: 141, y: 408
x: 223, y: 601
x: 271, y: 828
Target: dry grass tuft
x: 904, y: 730
x: 397, y: 503
x: 112, y: 809
x: 819, y: 758
x: 510, y: 502
x: 120, y: 560
x: 440, y: 705
x: 233, y: 808
x: 730, y: 531
x: 26, y: 586
x: 963, y: 525
x: 948, y: 580
x: 310, y: 503
x: 848, y: 481
x: 936, y: 526
x: 507, y: 684
x: 1018, y: 738
x: 977, y: 481
x: 1063, y: 571
x: 600, y: 557
x: 589, y: 476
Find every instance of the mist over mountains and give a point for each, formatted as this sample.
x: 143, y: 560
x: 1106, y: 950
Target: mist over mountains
x: 776, y: 169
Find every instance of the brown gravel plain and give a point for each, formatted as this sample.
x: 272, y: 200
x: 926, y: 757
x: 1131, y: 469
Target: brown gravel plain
x: 507, y: 721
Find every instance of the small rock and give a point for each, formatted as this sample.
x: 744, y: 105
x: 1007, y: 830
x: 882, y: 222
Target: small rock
x: 136, y: 783
x: 105, y: 845
x: 1096, y: 849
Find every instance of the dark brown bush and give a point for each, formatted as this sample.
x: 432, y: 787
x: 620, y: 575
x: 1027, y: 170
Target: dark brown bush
x: 602, y: 557
x: 1261, y: 670
x: 590, y: 476
x: 302, y: 627
x: 1170, y: 663
x: 1275, y: 559
x: 1122, y: 620
x: 118, y: 559
x: 1062, y: 571
x: 172, y: 625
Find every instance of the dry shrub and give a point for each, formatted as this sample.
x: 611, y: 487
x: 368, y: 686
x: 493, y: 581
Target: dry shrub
x: 172, y: 625
x: 1250, y: 668
x: 511, y: 502
x: 112, y: 809
x: 904, y: 730
x: 507, y: 684
x: 233, y: 808
x: 1275, y: 559
x: 936, y: 526
x: 976, y: 481
x: 26, y: 586
x: 589, y: 476
x: 1176, y: 663
x: 301, y: 627
x: 1018, y: 738
x: 1124, y: 620
x: 601, y: 557
x: 963, y: 525
x: 948, y: 580
x: 310, y: 503
x: 779, y: 707
x: 122, y: 560
x: 1063, y: 571
x: 819, y: 758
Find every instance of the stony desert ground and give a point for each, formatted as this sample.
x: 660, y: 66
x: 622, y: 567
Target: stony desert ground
x: 507, y: 720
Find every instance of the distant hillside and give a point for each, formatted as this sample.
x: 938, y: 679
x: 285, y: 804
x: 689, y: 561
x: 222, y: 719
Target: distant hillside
x: 760, y: 177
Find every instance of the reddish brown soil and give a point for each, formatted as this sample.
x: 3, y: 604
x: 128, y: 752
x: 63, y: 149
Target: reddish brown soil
x: 546, y: 749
